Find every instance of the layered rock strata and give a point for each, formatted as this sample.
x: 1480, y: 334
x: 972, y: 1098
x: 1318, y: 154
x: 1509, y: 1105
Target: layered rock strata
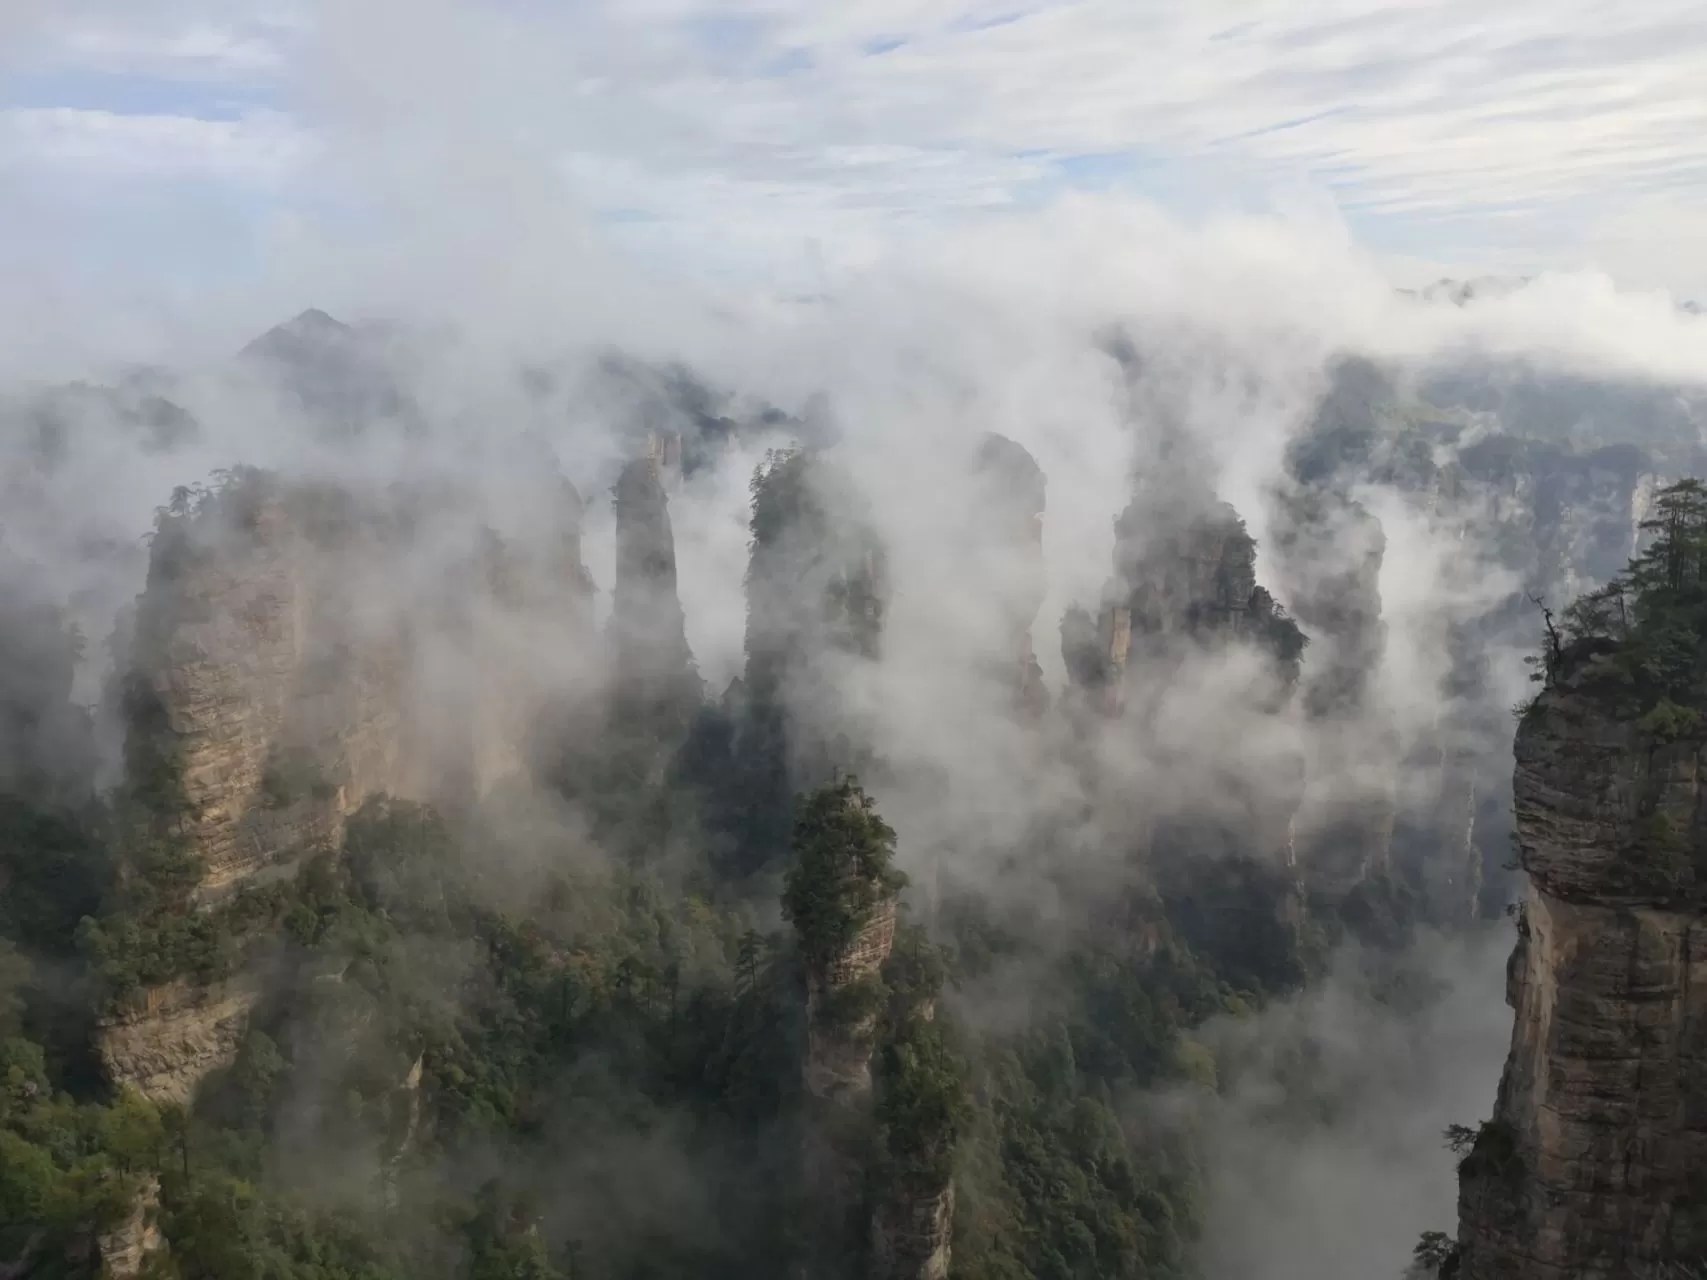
x: 172, y: 1037
x: 261, y: 709
x: 1592, y: 1166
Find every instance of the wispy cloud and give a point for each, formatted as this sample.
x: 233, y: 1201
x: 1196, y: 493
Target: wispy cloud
x: 1434, y: 129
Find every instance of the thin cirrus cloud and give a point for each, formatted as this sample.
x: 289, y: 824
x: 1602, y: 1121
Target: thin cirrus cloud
x: 1507, y: 136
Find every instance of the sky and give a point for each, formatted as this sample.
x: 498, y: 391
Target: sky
x: 152, y: 156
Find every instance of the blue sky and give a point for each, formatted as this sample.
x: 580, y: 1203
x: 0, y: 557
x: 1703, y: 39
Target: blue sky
x: 183, y: 145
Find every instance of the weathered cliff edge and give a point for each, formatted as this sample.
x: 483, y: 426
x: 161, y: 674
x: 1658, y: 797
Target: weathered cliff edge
x: 1595, y: 1162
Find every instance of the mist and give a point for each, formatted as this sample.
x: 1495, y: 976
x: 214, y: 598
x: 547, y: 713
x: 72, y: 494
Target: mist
x: 440, y: 184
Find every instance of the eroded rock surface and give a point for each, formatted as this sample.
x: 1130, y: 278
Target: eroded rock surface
x: 124, y: 1249
x: 1592, y: 1166
x: 173, y: 1036
x: 296, y: 651
x: 910, y: 1235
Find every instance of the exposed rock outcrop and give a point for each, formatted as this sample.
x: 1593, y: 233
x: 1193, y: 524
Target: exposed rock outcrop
x: 1591, y: 1167
x: 838, y: 1046
x: 648, y: 630
x: 299, y: 648
x: 910, y: 1235
x: 1184, y: 583
x: 287, y: 664
x: 171, y: 1037
x: 1094, y: 651
x: 840, y: 897
x: 126, y: 1247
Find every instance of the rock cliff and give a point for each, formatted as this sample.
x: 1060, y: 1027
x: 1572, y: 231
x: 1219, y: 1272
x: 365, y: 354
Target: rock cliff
x: 841, y: 898
x: 1330, y: 551
x: 648, y: 630
x: 261, y: 708
x: 1005, y: 561
x: 171, y: 1037
x: 287, y: 663
x: 1592, y: 1165
x: 817, y: 600
x: 125, y: 1249
x: 910, y: 1235
x: 300, y: 647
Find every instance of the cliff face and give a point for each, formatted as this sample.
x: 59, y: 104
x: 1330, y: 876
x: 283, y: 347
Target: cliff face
x: 817, y: 600
x: 1188, y: 572
x: 1592, y: 1165
x: 289, y: 662
x: 254, y: 690
x: 910, y: 1236
x: 648, y: 630
x: 125, y: 1249
x: 169, y: 1041
x: 1005, y: 561
x: 1331, y: 551
x: 838, y: 1046
x: 282, y: 671
x: 840, y: 896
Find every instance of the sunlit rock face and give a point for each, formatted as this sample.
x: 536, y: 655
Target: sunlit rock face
x: 1592, y: 1165
x: 173, y: 1037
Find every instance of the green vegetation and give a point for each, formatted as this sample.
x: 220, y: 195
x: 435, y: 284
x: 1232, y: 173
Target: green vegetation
x: 1647, y: 628
x: 842, y: 870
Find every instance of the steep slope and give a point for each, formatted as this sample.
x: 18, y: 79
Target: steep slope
x: 1591, y: 1166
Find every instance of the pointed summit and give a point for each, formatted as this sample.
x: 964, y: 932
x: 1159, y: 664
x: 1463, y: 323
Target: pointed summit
x: 300, y: 339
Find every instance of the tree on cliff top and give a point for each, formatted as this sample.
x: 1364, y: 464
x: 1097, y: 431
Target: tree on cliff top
x: 842, y: 870
x: 1653, y: 616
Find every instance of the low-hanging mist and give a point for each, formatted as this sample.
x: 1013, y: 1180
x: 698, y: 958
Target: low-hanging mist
x: 997, y: 763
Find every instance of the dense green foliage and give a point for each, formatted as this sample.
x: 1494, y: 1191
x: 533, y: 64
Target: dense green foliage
x: 842, y: 870
x: 1648, y: 626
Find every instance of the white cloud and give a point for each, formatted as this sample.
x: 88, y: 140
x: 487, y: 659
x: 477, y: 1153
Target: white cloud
x: 262, y: 145
x: 1448, y: 130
